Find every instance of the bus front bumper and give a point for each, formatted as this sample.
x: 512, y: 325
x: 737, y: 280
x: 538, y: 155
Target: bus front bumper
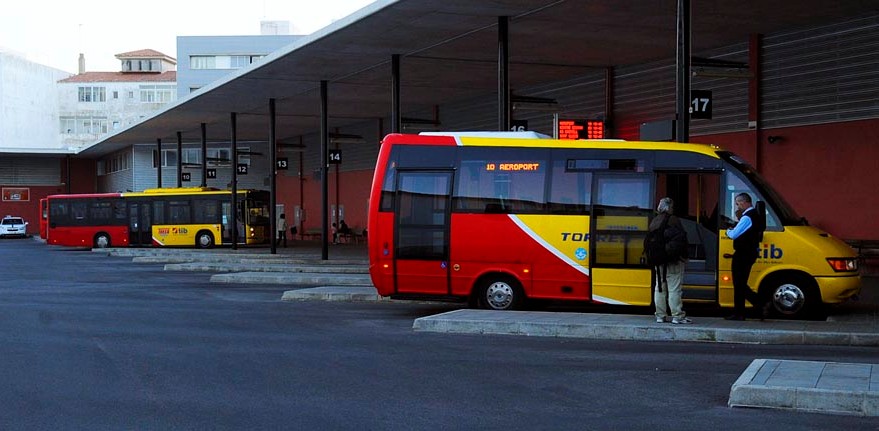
x: 838, y: 289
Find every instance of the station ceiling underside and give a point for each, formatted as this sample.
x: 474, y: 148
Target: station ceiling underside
x: 449, y: 52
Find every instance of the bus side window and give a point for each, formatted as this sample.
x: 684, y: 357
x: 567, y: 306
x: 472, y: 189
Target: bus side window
x: 119, y: 210
x: 570, y: 192
x: 734, y: 186
x: 622, y: 212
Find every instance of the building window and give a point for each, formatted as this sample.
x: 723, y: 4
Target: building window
x: 157, y: 93
x: 222, y: 61
x: 191, y: 156
x: 169, y: 158
x: 202, y: 62
x: 68, y: 126
x: 244, y: 156
x: 239, y: 61
x: 92, y: 94
x: 94, y: 126
x: 153, y: 65
x: 219, y: 157
x: 114, y: 163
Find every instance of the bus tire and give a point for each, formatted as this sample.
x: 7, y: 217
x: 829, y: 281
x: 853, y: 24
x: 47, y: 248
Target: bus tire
x: 204, y: 239
x: 102, y: 240
x: 500, y: 292
x: 793, y: 296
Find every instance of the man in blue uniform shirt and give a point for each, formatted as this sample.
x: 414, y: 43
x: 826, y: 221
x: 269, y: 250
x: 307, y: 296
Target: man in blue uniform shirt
x: 746, y: 236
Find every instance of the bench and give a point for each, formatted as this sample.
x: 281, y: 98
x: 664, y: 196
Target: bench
x: 311, y: 234
x: 352, y: 237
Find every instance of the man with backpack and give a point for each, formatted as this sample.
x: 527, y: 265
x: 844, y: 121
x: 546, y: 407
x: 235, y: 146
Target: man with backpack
x: 665, y: 250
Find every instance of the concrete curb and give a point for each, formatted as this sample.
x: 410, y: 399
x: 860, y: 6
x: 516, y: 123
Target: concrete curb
x: 335, y: 294
x: 292, y: 278
x: 303, y: 260
x: 639, y: 328
x: 824, y: 387
x: 262, y: 267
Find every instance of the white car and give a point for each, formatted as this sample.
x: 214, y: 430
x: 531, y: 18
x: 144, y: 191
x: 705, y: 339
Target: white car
x: 13, y: 226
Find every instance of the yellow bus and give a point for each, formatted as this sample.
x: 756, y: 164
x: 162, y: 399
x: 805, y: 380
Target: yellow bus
x: 497, y: 220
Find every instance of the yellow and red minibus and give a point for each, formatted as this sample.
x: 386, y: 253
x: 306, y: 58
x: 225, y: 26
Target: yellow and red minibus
x: 180, y: 217
x: 501, y: 218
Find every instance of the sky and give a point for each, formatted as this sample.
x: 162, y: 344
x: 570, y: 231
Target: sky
x: 53, y: 33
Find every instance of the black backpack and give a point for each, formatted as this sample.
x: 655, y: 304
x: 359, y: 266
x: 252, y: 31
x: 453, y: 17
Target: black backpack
x: 665, y: 245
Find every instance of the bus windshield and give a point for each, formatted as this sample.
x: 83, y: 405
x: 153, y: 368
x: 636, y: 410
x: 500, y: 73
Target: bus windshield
x: 785, y: 212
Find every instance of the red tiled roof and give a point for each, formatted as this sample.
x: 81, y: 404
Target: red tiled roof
x: 170, y: 76
x: 143, y: 53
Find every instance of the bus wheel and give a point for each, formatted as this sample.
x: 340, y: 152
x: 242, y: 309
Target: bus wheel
x: 500, y: 293
x: 794, y: 296
x: 102, y: 240
x: 204, y: 239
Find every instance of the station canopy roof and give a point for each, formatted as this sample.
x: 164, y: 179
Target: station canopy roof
x: 449, y: 52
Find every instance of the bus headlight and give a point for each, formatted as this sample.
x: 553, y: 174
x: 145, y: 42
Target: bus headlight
x: 840, y: 264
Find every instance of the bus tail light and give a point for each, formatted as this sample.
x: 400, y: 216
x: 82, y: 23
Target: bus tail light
x: 840, y: 264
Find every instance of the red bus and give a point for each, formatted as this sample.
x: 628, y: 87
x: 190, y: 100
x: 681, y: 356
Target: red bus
x: 498, y: 219
x: 183, y: 217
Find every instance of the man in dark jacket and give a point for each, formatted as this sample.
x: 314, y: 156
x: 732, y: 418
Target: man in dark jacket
x: 746, y: 236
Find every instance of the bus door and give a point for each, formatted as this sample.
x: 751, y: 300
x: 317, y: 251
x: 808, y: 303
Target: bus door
x: 621, y: 208
x: 44, y: 218
x: 140, y: 230
x: 421, y: 232
x: 227, y: 223
x: 696, y: 196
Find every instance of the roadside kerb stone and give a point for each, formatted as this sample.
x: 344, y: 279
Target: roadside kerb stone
x: 335, y: 293
x: 136, y: 252
x: 303, y: 260
x: 293, y: 278
x: 263, y: 267
x: 824, y: 387
x: 635, y: 328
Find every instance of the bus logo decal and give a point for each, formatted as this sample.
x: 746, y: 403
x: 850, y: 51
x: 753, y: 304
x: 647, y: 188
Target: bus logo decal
x: 575, y: 236
x: 580, y: 253
x: 770, y: 251
x: 549, y: 247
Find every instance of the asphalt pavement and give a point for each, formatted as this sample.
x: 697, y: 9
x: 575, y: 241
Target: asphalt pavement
x: 826, y: 387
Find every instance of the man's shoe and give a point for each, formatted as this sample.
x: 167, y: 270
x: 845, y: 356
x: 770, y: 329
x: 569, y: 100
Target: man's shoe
x: 735, y: 317
x: 660, y: 320
x: 681, y: 321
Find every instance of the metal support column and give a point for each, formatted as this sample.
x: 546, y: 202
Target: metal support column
x: 179, y: 159
x: 324, y: 172
x: 755, y: 43
x: 204, y: 155
x: 159, y: 163
x: 396, y: 115
x: 503, y: 73
x: 273, y: 160
x: 682, y: 87
x: 233, y: 122
x: 608, y: 102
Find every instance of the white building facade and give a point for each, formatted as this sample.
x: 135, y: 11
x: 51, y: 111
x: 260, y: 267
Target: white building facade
x: 93, y: 104
x: 28, y: 103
